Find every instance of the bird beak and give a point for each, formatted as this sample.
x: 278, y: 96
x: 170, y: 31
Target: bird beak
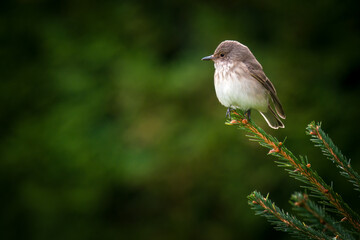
x: 211, y: 57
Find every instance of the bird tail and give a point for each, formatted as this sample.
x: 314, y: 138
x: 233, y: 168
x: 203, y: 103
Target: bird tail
x: 272, y: 118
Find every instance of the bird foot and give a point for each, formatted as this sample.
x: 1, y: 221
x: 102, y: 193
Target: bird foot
x: 248, y: 114
x: 228, y: 113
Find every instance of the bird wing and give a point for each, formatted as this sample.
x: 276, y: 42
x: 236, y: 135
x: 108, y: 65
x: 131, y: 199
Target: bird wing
x: 256, y: 71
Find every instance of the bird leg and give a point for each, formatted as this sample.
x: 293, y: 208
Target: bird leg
x: 228, y: 113
x: 248, y: 114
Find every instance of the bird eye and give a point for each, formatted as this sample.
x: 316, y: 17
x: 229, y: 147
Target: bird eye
x: 222, y: 55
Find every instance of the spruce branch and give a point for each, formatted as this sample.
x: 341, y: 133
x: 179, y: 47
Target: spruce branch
x: 332, y: 152
x: 282, y: 220
x: 317, y: 216
x: 298, y: 168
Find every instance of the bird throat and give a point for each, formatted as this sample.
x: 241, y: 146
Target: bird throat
x: 223, y: 66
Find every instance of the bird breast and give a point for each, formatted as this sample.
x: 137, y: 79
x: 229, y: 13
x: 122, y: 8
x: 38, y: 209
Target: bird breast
x: 235, y: 87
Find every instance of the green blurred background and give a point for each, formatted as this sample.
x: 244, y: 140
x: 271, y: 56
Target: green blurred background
x: 110, y: 127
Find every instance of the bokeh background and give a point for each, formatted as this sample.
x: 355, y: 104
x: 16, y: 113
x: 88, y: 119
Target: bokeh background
x: 110, y: 127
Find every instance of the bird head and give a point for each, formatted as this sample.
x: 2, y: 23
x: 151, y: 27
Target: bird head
x: 228, y: 51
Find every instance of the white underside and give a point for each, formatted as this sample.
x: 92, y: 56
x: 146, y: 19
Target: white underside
x: 238, y: 89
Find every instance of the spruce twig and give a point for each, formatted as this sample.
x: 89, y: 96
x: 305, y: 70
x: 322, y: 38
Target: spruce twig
x: 283, y: 221
x: 298, y: 168
x: 318, y: 217
x: 332, y: 152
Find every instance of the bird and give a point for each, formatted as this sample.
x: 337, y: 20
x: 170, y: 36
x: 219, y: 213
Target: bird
x: 240, y: 83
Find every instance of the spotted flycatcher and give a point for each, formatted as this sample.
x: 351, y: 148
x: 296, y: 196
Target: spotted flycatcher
x: 240, y: 82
